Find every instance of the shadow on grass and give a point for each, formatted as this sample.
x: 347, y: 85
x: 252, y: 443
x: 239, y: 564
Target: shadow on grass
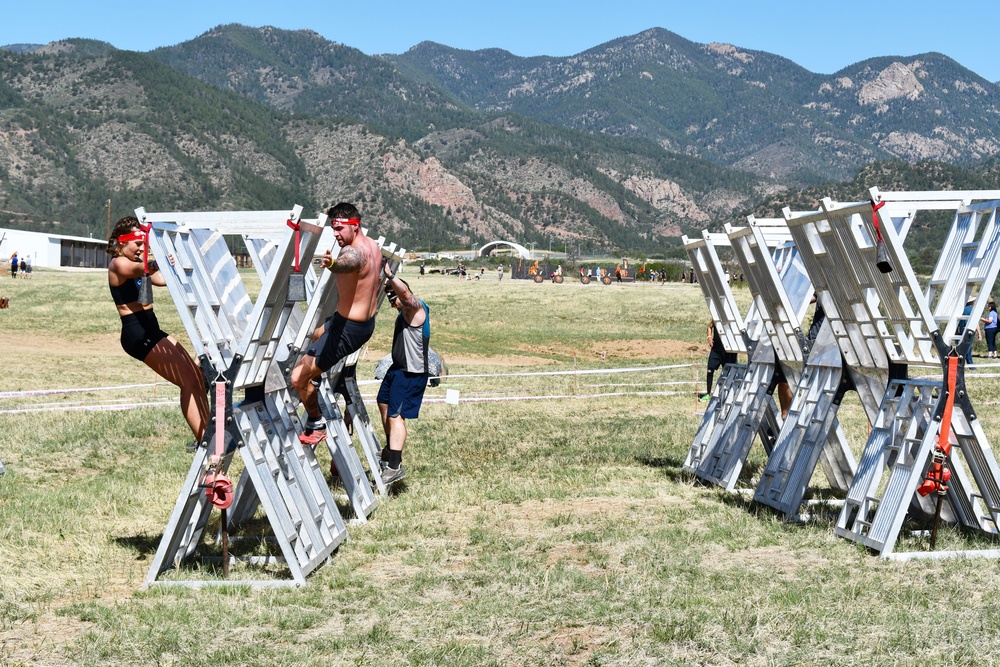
x: 672, y: 467
x: 144, y: 545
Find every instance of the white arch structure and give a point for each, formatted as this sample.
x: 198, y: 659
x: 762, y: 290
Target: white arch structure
x: 523, y: 252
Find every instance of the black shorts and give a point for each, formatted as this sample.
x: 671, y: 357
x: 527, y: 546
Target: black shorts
x: 340, y: 338
x: 140, y: 334
x: 716, y: 359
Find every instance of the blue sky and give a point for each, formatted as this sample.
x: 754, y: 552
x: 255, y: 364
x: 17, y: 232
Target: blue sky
x: 820, y: 36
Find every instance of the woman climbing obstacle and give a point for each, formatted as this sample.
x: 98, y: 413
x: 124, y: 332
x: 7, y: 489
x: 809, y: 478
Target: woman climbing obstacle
x: 141, y: 336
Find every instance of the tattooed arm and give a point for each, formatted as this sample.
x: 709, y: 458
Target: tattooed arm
x: 348, y: 261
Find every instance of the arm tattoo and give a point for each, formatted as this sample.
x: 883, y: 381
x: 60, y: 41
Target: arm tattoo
x: 348, y: 261
x: 411, y: 301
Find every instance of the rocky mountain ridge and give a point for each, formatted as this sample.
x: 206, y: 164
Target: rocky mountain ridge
x: 623, y: 147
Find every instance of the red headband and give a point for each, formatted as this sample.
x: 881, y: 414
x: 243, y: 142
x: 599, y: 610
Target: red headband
x: 134, y: 235
x: 348, y: 221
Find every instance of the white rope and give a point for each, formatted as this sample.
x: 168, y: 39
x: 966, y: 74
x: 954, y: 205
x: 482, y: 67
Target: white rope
x: 88, y: 408
x: 48, y: 392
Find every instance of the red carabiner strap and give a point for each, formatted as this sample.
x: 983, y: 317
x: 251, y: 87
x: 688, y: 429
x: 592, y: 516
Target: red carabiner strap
x: 939, y: 475
x: 296, y: 226
x: 145, y: 227
x: 875, y: 208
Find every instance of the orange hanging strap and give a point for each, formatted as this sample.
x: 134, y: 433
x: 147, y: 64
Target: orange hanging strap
x: 875, y: 208
x: 939, y: 475
x: 944, y: 437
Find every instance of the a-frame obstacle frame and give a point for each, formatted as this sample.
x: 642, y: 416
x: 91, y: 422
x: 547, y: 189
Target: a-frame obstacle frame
x: 740, y: 407
x: 811, y: 426
x: 239, y: 342
x: 811, y: 433
x: 880, y: 318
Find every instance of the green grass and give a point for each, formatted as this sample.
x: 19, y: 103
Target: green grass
x: 545, y: 532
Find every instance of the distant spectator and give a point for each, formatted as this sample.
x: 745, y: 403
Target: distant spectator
x: 26, y: 267
x: 13, y: 265
x: 500, y: 273
x: 716, y: 358
x: 990, y: 329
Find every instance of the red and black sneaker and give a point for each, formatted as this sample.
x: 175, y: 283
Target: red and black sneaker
x: 313, y: 436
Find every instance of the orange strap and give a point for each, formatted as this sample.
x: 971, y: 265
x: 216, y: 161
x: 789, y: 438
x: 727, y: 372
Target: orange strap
x: 944, y: 443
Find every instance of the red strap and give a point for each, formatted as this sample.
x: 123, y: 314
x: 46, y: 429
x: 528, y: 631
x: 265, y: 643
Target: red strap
x: 875, y: 208
x: 296, y: 226
x: 220, y: 417
x: 145, y: 227
x: 939, y: 475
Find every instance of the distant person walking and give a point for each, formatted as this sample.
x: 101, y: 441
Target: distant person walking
x: 403, y: 386
x: 500, y: 273
x: 13, y: 265
x: 141, y: 335
x: 716, y: 358
x: 990, y: 330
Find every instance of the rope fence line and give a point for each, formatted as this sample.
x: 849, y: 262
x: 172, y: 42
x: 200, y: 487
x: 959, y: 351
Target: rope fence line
x: 90, y: 407
x: 484, y: 396
x: 49, y: 392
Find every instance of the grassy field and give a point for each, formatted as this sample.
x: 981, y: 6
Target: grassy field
x: 557, y: 531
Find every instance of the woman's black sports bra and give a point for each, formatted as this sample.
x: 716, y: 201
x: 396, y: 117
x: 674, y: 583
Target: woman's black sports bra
x: 126, y: 293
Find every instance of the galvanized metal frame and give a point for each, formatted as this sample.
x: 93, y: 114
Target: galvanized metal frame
x: 810, y: 433
x: 740, y: 407
x: 881, y: 317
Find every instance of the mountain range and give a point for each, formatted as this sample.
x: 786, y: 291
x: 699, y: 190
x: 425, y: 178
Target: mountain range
x: 620, y: 148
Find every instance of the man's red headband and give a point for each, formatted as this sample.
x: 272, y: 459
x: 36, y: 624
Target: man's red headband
x: 348, y: 221
x: 134, y: 235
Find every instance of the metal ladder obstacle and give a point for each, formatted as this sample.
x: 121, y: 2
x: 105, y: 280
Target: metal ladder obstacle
x: 729, y: 325
x: 237, y: 340
x: 742, y: 408
x: 880, y: 318
x: 810, y: 433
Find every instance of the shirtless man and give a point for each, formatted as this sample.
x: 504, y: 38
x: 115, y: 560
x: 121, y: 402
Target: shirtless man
x: 357, y: 270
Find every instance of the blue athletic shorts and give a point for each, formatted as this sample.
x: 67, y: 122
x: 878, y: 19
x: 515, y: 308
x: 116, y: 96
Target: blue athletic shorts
x: 403, y: 392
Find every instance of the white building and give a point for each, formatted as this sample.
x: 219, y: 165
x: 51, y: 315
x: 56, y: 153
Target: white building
x: 52, y: 250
